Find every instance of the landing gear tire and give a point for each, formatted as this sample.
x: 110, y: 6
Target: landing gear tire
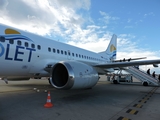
x: 115, y: 81
x: 145, y: 83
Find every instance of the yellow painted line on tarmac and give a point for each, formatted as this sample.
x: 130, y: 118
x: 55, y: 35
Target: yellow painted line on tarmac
x: 142, y: 101
x: 123, y: 118
x: 132, y: 111
x: 139, y: 106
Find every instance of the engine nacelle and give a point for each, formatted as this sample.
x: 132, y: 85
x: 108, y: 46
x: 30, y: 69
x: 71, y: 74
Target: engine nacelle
x: 73, y: 75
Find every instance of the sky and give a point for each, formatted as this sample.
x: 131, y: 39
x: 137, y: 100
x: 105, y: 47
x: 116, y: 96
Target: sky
x: 90, y: 24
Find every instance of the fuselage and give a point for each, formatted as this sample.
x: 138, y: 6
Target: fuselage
x: 27, y: 54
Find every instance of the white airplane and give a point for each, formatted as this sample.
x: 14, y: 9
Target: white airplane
x: 24, y: 55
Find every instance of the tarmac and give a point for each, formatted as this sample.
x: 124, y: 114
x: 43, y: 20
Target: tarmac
x: 24, y: 100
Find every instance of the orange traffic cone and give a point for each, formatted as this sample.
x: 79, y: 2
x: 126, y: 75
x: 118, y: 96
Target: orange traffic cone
x: 48, y: 103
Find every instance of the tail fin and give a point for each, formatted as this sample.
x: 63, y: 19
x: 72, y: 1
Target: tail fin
x: 111, y: 50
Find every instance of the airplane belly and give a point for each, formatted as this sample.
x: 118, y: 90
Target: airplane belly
x: 13, y: 69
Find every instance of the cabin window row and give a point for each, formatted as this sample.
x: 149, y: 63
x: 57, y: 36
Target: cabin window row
x: 73, y: 54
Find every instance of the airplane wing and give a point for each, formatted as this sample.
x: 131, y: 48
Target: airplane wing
x: 125, y: 64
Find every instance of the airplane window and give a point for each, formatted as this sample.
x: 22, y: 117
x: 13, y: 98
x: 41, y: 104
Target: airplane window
x: 61, y: 51
x: 49, y: 49
x: 65, y: 52
x: 39, y: 47
x: 19, y: 42
x: 72, y: 54
x: 68, y: 53
x: 82, y: 56
x: 79, y: 55
x: 54, y: 50
x: 33, y: 45
x: 57, y: 51
x: 26, y: 44
x: 11, y: 41
x: 2, y: 39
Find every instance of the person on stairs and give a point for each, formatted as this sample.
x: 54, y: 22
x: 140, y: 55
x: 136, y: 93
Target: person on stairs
x: 148, y: 71
x: 153, y: 74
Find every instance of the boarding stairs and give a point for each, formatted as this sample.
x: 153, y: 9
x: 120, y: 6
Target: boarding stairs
x: 142, y: 76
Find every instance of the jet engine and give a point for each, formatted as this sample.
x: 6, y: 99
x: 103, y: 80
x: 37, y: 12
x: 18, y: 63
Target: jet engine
x: 73, y: 75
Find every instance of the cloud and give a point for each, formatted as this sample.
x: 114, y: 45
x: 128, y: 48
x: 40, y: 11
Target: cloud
x: 107, y: 18
x: 93, y: 43
x: 43, y: 17
x: 149, y: 14
x: 3, y: 4
x: 129, y: 20
x: 131, y: 49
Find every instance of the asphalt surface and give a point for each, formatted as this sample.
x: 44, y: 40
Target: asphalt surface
x: 20, y: 101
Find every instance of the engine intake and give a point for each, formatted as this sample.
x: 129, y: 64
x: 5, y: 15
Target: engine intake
x: 73, y: 75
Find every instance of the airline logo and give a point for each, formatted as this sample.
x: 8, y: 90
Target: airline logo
x: 17, y: 53
x: 113, y: 51
x: 112, y: 48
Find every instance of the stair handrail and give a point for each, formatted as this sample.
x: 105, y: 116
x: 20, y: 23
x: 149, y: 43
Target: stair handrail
x: 145, y: 75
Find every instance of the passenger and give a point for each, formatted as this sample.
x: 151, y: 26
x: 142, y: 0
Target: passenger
x: 129, y: 59
x: 148, y: 71
x: 113, y: 77
x: 153, y: 74
x: 159, y: 77
x: 137, y: 66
